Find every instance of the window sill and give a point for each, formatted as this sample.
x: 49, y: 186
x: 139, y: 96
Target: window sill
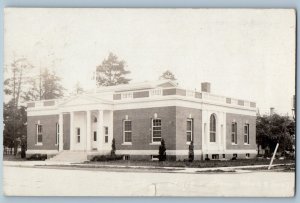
x: 246, y: 144
x: 154, y: 143
x: 126, y: 143
x: 234, y: 144
x: 39, y: 144
x: 188, y: 143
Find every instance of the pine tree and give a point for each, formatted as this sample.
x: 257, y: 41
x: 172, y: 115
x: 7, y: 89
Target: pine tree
x: 162, y: 151
x: 111, y: 72
x: 113, y: 148
x: 191, y: 152
x: 168, y: 75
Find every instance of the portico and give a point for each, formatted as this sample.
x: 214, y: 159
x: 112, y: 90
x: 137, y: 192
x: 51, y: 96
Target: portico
x: 90, y: 125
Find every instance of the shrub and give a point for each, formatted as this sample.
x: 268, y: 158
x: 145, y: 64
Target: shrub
x: 191, y: 152
x: 42, y: 157
x: 107, y: 158
x: 162, y: 155
x: 113, y: 148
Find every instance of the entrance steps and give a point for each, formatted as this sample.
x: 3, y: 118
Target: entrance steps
x: 70, y: 157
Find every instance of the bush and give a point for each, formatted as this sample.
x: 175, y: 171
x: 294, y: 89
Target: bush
x: 113, y: 147
x: 191, y: 152
x: 107, y: 158
x: 42, y: 157
x: 162, y: 156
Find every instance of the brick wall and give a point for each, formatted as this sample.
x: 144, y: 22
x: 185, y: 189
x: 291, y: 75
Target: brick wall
x: 182, y: 114
x: 241, y: 120
x: 141, y: 127
x: 49, y: 132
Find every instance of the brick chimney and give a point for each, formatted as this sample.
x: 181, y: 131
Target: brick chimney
x: 205, y: 87
x: 272, y: 109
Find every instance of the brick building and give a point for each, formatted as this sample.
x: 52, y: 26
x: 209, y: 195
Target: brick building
x: 138, y: 116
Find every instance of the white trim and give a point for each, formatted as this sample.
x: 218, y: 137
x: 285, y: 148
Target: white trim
x: 191, y: 131
x: 176, y: 100
x: 124, y: 131
x: 152, y: 126
x: 235, y: 133
x: 41, y: 151
x: 248, y: 134
x: 155, y: 152
x: 154, y: 143
x: 37, y: 133
x: 140, y: 103
x: 39, y: 144
x: 126, y: 143
x: 240, y: 151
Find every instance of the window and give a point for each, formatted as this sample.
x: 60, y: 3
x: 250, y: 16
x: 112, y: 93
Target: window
x: 78, y: 135
x: 246, y: 133
x: 95, y: 136
x: 39, y: 133
x: 127, y: 95
x: 189, y: 130
x: 106, y: 134
x: 126, y: 157
x: 234, y: 155
x: 57, y: 134
x: 223, y: 156
x: 155, y: 92
x: 212, y: 128
x: 156, y: 130
x: 215, y: 156
x: 234, y: 133
x: 247, y: 155
x: 127, y: 131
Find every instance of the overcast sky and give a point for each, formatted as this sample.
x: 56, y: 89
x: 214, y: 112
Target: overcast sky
x: 246, y: 54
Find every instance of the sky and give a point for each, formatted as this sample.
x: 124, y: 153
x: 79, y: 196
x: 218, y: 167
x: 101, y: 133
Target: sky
x: 245, y: 54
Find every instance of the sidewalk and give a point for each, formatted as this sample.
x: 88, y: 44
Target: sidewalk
x: 239, y: 169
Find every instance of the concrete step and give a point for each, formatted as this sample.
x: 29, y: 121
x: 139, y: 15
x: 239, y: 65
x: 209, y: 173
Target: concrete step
x: 69, y: 156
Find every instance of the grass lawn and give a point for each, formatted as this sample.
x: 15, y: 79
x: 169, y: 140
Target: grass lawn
x: 13, y: 158
x: 195, y: 164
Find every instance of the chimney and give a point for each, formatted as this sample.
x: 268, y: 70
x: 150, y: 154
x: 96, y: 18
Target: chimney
x: 272, y: 111
x: 205, y: 87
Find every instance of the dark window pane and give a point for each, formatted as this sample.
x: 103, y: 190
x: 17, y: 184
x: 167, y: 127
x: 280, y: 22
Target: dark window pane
x: 106, y: 139
x: 40, y: 138
x: 189, y: 125
x: 127, y: 136
x: 189, y: 136
x: 95, y: 136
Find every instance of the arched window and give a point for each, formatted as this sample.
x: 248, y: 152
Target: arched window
x: 212, y: 128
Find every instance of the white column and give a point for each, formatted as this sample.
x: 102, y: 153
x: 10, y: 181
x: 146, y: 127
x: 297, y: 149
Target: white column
x: 88, y: 131
x: 61, y: 132
x: 100, y: 138
x: 110, y: 127
x: 224, y: 132
x: 71, y: 130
